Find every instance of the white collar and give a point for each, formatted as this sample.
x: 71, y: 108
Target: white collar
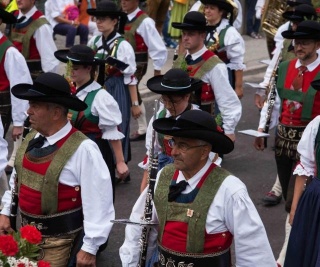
x: 312, y: 65
x: 133, y: 14
x: 58, y: 135
x: 28, y: 14
x: 198, y: 53
x: 193, y: 181
x: 91, y: 87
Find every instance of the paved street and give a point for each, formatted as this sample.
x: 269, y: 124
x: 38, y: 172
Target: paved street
x: 256, y: 169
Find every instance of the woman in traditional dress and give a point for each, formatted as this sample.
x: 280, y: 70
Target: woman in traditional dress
x: 122, y: 85
x: 101, y: 118
x: 225, y: 40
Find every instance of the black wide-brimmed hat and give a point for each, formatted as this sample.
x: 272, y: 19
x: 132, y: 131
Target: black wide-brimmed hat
x: 174, y: 82
x: 298, y: 2
x: 196, y: 124
x: 227, y: 5
x: 78, y: 55
x: 49, y: 87
x: 7, y: 17
x: 301, y: 13
x: 192, y: 21
x: 316, y: 85
x: 307, y: 29
x: 106, y: 8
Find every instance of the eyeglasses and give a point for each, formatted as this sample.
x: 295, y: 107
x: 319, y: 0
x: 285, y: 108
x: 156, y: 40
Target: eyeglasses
x: 181, y: 146
x: 170, y: 100
x: 303, y: 43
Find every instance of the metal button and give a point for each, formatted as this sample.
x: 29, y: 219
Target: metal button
x: 77, y: 188
x: 74, y: 199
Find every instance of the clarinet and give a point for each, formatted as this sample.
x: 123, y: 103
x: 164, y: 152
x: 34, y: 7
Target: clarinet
x: 272, y: 88
x: 14, y: 204
x: 153, y: 170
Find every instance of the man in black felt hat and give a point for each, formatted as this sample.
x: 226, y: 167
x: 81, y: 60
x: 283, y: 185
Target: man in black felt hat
x: 199, y: 207
x: 140, y: 31
x: 303, y: 251
x: 296, y: 103
x: 203, y: 64
x: 62, y: 178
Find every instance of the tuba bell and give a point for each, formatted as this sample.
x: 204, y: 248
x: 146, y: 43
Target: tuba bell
x: 272, y: 16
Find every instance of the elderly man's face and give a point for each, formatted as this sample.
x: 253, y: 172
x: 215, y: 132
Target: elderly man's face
x: 41, y: 115
x: 189, y: 154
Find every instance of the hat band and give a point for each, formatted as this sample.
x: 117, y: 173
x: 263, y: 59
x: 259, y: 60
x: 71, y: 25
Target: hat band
x: 73, y: 59
x: 180, y: 87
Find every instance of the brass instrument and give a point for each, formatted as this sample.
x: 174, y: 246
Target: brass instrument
x: 214, y: 46
x: 153, y: 170
x: 272, y: 16
x: 272, y: 91
x: 113, y: 52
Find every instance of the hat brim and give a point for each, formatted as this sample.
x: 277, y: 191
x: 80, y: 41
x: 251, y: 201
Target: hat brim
x: 300, y: 35
x: 290, y: 15
x: 101, y: 13
x: 190, y: 27
x: 26, y: 92
x: 154, y: 84
x: 220, y: 143
x: 7, y: 17
x: 62, y: 55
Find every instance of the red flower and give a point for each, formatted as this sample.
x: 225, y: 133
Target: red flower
x: 21, y: 264
x: 31, y: 234
x: 219, y: 129
x: 42, y: 263
x: 8, y: 246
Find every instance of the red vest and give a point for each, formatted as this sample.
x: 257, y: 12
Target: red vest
x: 4, y: 82
x: 30, y: 200
x: 33, y: 50
x: 294, y: 118
x: 207, y: 94
x: 140, y: 44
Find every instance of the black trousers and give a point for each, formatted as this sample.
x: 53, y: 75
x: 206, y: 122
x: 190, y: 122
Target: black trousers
x: 285, y: 167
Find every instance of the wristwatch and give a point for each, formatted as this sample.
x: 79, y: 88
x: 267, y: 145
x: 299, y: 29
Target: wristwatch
x: 135, y: 103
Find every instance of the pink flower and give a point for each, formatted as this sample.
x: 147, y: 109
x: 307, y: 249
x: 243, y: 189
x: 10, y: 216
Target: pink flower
x: 8, y: 246
x: 31, y: 234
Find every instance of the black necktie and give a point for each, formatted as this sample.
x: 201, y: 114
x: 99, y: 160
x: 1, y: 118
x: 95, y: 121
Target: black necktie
x: 189, y: 59
x: 36, y: 143
x: 21, y: 19
x: 176, y: 189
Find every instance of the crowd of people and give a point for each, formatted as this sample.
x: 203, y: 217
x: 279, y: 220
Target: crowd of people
x: 72, y: 138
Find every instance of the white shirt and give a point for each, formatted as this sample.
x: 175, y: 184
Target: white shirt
x: 3, y: 150
x: 107, y: 109
x: 306, y: 149
x: 86, y: 168
x: 276, y: 112
x: 234, y: 45
x: 231, y: 210
x: 55, y: 8
x: 17, y: 72
x: 44, y: 43
x: 156, y: 48
x: 227, y: 100
x: 125, y: 53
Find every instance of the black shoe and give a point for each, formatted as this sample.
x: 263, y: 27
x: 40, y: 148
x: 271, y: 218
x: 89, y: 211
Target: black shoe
x: 8, y: 169
x: 137, y: 137
x: 271, y: 199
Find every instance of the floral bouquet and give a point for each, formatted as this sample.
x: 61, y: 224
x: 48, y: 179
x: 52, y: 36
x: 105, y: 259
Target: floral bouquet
x: 20, y: 249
